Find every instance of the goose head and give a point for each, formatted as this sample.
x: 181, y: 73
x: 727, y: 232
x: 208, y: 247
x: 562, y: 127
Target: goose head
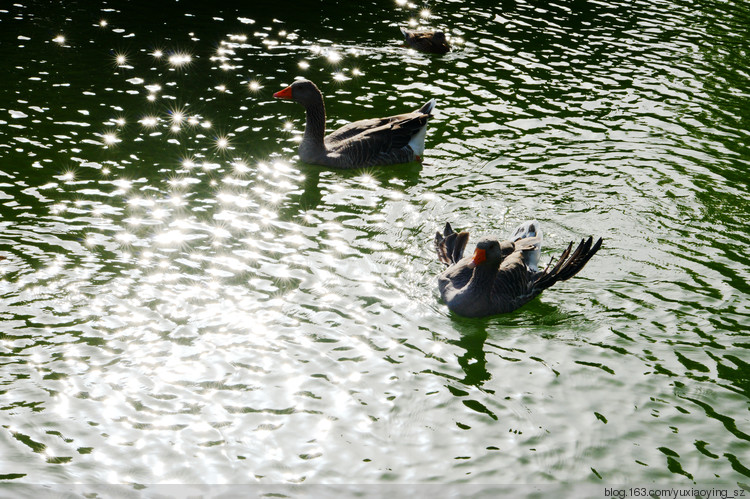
x: 303, y: 91
x: 490, y: 252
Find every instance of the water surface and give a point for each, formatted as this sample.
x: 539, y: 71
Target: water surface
x: 183, y: 301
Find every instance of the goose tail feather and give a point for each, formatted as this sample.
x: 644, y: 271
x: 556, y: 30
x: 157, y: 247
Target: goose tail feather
x: 450, y: 245
x: 428, y: 107
x: 569, y: 264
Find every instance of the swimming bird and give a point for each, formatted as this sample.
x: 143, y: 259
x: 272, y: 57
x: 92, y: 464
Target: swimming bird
x: 433, y: 42
x: 502, y: 276
x: 371, y: 142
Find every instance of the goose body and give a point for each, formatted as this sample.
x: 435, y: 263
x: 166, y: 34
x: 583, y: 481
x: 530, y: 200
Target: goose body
x: 371, y: 142
x: 433, y: 42
x: 501, y: 276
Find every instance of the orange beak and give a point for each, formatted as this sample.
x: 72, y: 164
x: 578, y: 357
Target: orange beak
x: 480, y: 256
x: 284, y: 94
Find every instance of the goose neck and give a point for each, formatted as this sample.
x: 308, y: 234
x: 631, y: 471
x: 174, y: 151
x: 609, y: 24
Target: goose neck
x: 315, y: 125
x: 483, y: 277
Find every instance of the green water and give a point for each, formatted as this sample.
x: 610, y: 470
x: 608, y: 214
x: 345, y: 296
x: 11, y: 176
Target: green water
x: 183, y: 301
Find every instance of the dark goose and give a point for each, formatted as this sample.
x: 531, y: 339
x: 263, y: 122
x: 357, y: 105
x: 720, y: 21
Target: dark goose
x: 372, y: 142
x: 501, y: 276
x: 432, y: 42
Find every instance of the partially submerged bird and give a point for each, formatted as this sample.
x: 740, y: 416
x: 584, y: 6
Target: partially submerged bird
x: 377, y: 141
x: 502, y: 276
x: 433, y: 42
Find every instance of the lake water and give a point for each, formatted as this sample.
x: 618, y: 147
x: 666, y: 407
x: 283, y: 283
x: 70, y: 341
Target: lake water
x: 183, y: 301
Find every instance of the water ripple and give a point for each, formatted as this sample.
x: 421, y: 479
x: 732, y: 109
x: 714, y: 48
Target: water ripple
x: 185, y: 302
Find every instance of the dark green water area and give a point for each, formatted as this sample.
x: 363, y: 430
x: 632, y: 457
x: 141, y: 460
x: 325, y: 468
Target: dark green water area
x: 183, y: 301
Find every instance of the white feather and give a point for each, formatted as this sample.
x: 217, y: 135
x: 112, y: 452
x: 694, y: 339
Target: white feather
x: 532, y: 231
x: 417, y: 140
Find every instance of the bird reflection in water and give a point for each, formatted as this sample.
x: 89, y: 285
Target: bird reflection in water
x: 474, y: 359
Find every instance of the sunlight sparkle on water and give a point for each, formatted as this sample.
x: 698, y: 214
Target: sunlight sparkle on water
x: 126, y: 238
x: 368, y: 180
x: 57, y: 208
x: 139, y: 201
x: 103, y: 23
x: 121, y: 59
x: 159, y: 213
x: 59, y: 39
x: 110, y: 138
x: 333, y: 57
x: 123, y: 185
x: 240, y: 167
x: 177, y: 115
x: 220, y: 233
x: 149, y: 121
x: 157, y: 53
x: 425, y: 13
x: 169, y: 238
x: 222, y: 142
x: 303, y: 64
x: 181, y: 59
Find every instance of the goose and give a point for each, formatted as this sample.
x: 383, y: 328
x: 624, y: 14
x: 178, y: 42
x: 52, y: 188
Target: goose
x: 372, y: 142
x: 502, y: 276
x: 433, y: 42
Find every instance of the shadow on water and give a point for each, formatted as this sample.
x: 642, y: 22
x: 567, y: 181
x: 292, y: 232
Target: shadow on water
x: 317, y: 178
x: 473, y: 360
x: 480, y: 336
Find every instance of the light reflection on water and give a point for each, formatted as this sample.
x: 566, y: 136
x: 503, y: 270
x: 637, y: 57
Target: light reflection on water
x: 184, y: 302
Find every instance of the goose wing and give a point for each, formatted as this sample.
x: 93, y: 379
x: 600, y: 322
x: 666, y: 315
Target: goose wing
x: 513, y: 283
x: 568, y: 265
x: 516, y: 284
x: 367, y: 142
x: 360, y: 127
x: 450, y: 247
